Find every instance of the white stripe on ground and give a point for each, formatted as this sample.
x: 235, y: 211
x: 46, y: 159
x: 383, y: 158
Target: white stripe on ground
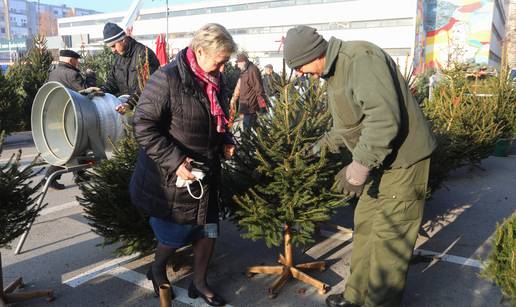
x: 68, y: 205
x: 451, y: 258
x: 23, y: 157
x: 141, y: 280
x: 98, y: 270
x: 344, y: 237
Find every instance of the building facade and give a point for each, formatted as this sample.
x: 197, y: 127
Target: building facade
x: 26, y: 19
x: 259, y: 27
x: 417, y: 33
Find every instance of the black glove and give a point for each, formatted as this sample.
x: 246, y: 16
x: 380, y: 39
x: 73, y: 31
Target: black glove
x: 354, y: 172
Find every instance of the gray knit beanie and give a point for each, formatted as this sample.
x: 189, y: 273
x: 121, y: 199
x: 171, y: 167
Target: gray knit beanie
x: 302, y: 45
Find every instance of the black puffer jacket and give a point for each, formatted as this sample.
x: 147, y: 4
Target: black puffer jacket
x: 71, y: 77
x: 171, y: 122
x: 123, y: 76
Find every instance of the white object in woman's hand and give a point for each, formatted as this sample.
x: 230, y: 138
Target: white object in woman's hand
x: 183, y: 171
x: 229, y: 151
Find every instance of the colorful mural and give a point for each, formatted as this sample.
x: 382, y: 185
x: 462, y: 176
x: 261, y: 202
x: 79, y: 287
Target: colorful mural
x: 456, y: 30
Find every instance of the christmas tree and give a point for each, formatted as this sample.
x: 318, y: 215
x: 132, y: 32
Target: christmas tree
x: 16, y: 212
x: 29, y: 74
x: 108, y: 206
x: 281, y: 186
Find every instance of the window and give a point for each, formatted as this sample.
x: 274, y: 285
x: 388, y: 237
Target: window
x: 2, y: 30
x: 218, y: 9
x: 240, y: 7
x: 282, y: 3
x: 257, y: 6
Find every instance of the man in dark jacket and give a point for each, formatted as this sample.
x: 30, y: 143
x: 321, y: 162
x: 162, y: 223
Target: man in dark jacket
x: 271, y: 82
x: 68, y: 74
x: 376, y: 117
x: 251, y: 97
x: 132, y: 61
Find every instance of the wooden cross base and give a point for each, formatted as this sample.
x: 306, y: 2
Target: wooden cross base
x: 8, y: 297
x: 287, y: 270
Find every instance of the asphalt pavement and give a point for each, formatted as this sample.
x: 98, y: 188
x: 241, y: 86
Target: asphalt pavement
x: 62, y: 253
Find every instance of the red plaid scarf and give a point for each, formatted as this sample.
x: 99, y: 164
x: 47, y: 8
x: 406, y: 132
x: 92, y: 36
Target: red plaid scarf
x: 211, y: 88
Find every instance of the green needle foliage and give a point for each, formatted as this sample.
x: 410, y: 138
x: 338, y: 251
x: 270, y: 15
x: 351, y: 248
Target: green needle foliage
x: 107, y: 203
x: 18, y: 197
x: 29, y: 73
x: 500, y: 267
x: 276, y: 179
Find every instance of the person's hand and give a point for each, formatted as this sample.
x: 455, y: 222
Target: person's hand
x: 184, y: 170
x: 229, y: 151
x: 122, y: 108
x: 351, y: 179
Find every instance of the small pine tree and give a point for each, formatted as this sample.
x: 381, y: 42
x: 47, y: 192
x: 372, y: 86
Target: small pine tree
x: 9, y: 106
x: 500, y: 267
x: 100, y: 62
x: 281, y: 187
x: 18, y: 196
x: 29, y: 73
x: 108, y: 206
x: 468, y: 117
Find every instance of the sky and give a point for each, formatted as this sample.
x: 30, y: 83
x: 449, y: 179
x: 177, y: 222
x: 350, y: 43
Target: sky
x: 111, y: 5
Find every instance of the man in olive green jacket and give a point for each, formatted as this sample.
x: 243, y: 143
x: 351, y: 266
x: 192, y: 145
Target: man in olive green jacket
x: 376, y: 117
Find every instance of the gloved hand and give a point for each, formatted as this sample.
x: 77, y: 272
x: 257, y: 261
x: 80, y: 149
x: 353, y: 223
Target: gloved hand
x: 122, y: 108
x: 92, y: 92
x: 351, y: 179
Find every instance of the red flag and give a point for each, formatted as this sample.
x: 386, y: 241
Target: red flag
x: 161, y: 50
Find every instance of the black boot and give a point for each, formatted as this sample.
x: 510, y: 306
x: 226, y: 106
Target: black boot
x: 216, y: 300
x: 337, y: 300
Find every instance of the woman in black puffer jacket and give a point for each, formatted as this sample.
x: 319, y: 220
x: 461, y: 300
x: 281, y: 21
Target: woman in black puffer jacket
x: 179, y: 123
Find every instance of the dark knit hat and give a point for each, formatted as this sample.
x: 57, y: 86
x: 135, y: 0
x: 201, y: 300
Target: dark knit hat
x: 113, y: 33
x: 69, y: 54
x: 242, y: 57
x: 302, y: 45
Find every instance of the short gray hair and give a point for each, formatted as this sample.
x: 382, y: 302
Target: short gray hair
x: 213, y: 37
x: 65, y: 59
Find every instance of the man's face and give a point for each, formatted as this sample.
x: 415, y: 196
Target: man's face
x: 316, y: 67
x: 119, y: 47
x: 74, y: 62
x: 268, y: 71
x: 241, y: 65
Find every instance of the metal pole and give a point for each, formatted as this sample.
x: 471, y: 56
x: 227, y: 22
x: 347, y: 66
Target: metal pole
x: 166, y: 38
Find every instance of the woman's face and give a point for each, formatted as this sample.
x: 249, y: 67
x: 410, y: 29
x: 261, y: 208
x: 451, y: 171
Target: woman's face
x: 211, y: 63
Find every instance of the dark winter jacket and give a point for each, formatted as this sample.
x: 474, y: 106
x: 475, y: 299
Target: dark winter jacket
x: 374, y: 113
x: 123, y: 76
x: 172, y: 121
x: 251, y: 89
x: 71, y: 77
x: 271, y: 84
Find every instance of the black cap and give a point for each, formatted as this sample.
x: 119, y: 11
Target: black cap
x: 303, y: 45
x: 113, y: 33
x: 69, y: 54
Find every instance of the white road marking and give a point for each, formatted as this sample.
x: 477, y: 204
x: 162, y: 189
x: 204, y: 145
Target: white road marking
x: 451, y: 258
x: 141, y: 280
x: 23, y: 157
x: 64, y: 206
x: 344, y: 237
x: 98, y: 270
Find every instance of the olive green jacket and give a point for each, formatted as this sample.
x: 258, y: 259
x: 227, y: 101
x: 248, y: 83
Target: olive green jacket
x: 374, y: 112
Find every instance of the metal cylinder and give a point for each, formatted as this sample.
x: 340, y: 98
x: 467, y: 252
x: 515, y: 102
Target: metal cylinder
x: 67, y: 125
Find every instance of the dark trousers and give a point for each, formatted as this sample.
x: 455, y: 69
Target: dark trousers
x: 249, y: 120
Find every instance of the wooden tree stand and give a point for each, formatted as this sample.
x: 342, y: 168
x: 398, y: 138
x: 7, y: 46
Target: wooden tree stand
x: 7, y: 297
x: 288, y: 269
